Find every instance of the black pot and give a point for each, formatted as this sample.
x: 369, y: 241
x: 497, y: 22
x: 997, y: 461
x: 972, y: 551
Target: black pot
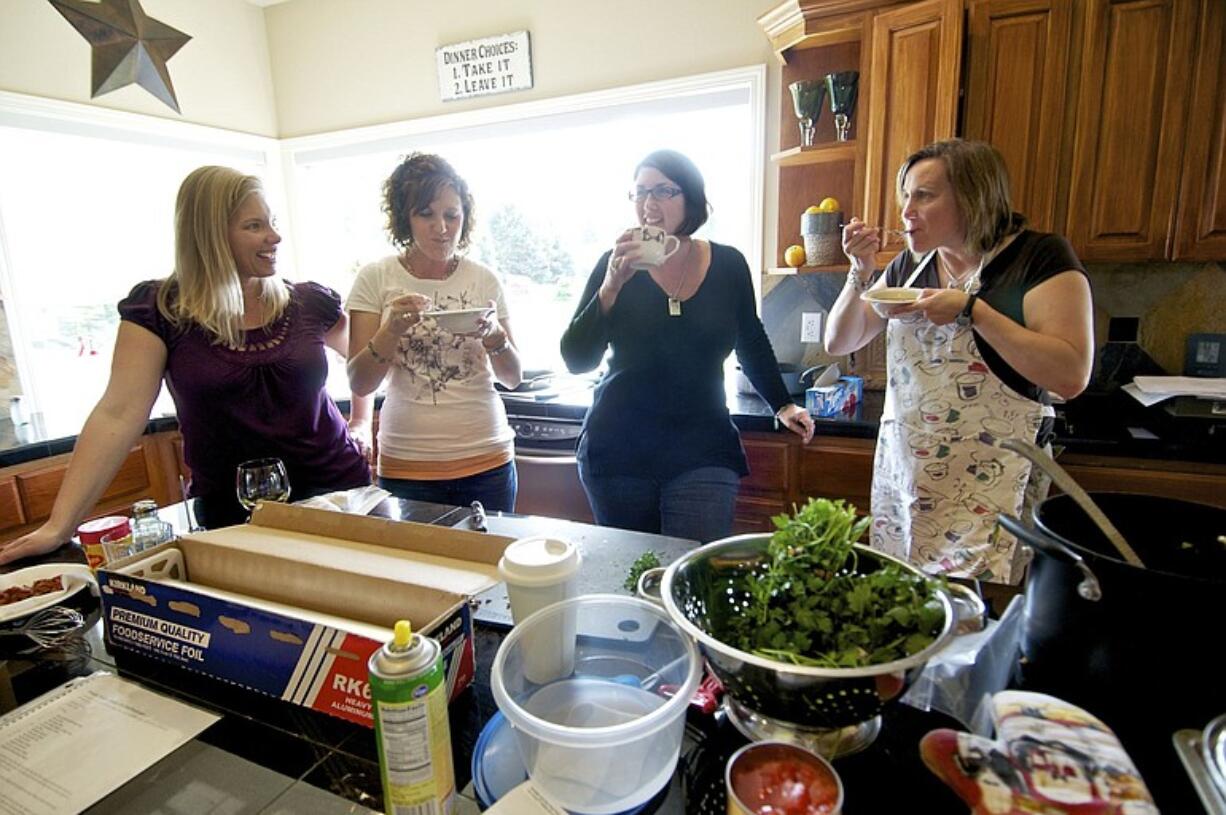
x: 1138, y: 647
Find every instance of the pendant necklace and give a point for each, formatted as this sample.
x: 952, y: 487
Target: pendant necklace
x: 674, y: 302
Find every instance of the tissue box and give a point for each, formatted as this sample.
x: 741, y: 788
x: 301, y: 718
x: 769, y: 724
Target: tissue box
x: 838, y: 401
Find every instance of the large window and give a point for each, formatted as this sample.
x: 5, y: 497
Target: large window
x: 87, y: 206
x: 86, y: 212
x: 549, y: 180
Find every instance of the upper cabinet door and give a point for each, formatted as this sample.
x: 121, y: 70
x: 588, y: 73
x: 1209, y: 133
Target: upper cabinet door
x: 1136, y: 63
x: 912, y: 98
x: 1016, y: 87
x: 1201, y: 232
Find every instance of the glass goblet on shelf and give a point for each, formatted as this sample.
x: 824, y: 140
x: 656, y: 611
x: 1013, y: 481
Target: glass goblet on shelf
x: 843, y: 87
x: 807, y: 97
x: 262, y: 479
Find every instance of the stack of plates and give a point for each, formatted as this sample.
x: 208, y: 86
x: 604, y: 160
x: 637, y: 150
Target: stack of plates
x: 497, y: 768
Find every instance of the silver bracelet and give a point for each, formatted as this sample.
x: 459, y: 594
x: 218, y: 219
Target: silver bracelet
x: 502, y: 348
x: 857, y: 283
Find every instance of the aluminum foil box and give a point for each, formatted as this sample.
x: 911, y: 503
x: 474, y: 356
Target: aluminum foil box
x: 282, y: 608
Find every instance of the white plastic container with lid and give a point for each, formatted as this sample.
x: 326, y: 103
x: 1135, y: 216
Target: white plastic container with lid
x: 539, y: 572
x: 605, y: 738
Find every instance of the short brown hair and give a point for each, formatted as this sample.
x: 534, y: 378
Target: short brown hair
x: 980, y: 182
x: 412, y: 186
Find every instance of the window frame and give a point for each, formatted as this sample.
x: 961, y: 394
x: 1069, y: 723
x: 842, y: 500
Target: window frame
x: 38, y: 114
x: 405, y: 135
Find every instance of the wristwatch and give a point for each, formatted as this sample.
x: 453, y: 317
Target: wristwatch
x: 964, y: 317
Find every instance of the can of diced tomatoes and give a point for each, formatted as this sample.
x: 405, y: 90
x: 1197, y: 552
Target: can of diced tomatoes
x: 92, y: 532
x: 408, y: 687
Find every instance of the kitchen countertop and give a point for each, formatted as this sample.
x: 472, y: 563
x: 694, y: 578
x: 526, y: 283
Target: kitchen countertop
x: 269, y: 756
x: 1106, y: 424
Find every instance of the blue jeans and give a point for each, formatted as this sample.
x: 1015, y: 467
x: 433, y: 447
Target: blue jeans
x: 697, y: 504
x: 495, y: 489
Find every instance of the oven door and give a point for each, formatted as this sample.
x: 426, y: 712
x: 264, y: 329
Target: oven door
x: 548, y: 473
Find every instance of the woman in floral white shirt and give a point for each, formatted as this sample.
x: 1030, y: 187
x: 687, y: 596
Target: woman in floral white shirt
x: 443, y: 432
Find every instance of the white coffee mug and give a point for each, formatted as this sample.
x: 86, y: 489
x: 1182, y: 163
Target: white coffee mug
x: 653, y: 245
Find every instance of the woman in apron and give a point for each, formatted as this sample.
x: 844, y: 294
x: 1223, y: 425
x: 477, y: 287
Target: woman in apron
x: 1004, y: 319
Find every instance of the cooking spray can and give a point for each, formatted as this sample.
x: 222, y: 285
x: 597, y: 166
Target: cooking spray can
x: 409, y: 690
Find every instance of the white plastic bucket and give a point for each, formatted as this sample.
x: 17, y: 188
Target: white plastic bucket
x: 605, y: 738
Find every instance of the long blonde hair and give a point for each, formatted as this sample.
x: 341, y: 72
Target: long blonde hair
x: 205, y: 288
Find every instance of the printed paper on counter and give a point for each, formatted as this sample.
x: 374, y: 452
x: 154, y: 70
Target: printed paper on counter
x: 69, y: 748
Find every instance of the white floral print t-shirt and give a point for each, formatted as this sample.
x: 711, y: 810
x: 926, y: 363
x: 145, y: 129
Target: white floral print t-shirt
x: 440, y: 403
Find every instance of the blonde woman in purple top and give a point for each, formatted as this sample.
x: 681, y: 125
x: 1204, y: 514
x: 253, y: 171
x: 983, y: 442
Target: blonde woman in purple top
x: 242, y: 354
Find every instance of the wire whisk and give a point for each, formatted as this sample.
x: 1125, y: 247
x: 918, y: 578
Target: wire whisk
x: 50, y: 627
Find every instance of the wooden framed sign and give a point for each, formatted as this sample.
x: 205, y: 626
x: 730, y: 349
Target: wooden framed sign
x: 491, y: 65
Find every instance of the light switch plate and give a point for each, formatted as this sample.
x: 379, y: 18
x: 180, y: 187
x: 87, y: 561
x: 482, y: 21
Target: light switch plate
x: 811, y: 326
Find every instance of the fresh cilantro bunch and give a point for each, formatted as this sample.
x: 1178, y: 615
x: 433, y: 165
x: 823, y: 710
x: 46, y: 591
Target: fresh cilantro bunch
x: 645, y: 561
x: 808, y: 605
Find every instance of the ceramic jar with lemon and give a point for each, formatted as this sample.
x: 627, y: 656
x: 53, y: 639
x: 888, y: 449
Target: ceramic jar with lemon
x: 820, y: 227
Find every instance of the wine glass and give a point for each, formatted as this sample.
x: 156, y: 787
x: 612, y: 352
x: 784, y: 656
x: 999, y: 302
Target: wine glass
x: 807, y: 97
x: 843, y: 87
x: 262, y: 479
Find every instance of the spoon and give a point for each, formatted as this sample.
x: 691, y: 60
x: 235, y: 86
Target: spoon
x: 1065, y: 482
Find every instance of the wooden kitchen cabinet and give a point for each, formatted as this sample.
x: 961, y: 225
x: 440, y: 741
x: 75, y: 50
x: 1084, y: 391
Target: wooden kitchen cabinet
x: 1200, y: 482
x: 784, y: 473
x: 1200, y: 233
x: 28, y: 490
x: 1017, y: 76
x: 1132, y: 105
x: 911, y: 99
x: 834, y: 467
x: 768, y: 489
x: 908, y: 56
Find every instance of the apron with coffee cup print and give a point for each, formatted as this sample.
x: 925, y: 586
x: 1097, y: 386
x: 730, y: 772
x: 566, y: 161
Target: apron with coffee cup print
x: 939, y: 480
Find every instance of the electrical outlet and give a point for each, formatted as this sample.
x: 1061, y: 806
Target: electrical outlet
x: 811, y: 326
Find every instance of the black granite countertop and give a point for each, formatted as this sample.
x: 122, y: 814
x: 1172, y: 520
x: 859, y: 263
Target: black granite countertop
x: 1106, y: 424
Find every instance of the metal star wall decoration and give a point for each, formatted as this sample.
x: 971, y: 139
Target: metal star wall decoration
x: 128, y: 45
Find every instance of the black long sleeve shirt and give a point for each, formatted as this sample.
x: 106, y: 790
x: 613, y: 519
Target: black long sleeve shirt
x: 661, y: 409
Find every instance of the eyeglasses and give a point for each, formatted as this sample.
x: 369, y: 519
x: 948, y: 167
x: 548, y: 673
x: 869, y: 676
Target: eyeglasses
x: 660, y: 192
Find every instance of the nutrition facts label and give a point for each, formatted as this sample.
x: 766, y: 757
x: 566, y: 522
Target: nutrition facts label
x: 406, y: 743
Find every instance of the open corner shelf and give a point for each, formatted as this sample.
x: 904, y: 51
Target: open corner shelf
x: 790, y: 270
x: 817, y: 154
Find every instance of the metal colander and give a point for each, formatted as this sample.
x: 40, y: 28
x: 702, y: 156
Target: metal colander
x: 704, y: 589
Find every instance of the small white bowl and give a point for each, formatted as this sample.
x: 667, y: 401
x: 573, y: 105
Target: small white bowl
x: 882, y: 300
x: 461, y: 321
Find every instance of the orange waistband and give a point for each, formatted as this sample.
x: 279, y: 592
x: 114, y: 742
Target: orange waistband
x: 417, y: 470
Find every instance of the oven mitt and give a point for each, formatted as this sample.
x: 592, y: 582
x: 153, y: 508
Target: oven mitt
x: 1048, y: 757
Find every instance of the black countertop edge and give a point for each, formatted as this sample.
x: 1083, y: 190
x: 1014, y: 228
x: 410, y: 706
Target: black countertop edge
x: 1092, y: 425
x: 19, y: 453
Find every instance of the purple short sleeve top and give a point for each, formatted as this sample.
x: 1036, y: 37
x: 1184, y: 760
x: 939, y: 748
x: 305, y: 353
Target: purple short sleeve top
x: 264, y: 399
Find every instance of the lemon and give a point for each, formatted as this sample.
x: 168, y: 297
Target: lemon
x: 813, y: 210
x: 828, y: 205
x: 794, y: 255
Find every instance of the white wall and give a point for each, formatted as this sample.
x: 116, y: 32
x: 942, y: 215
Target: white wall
x: 359, y: 62
x: 348, y: 63
x: 222, y: 76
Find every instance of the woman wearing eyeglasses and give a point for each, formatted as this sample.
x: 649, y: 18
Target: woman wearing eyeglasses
x: 659, y: 452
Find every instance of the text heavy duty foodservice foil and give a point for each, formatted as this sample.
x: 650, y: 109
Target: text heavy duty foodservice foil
x: 293, y: 603
x: 249, y: 643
